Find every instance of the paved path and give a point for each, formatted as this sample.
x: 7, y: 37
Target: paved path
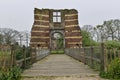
x: 60, y: 67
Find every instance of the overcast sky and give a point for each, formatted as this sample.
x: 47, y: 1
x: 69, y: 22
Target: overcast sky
x: 19, y: 14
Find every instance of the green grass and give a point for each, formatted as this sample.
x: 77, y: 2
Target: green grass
x: 57, y: 52
x: 4, y: 55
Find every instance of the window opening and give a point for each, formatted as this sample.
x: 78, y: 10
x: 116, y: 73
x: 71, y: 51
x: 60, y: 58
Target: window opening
x: 56, y: 16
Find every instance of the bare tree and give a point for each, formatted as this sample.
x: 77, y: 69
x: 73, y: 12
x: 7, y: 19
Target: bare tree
x: 24, y: 38
x: 101, y: 30
x: 97, y: 34
x: 109, y: 30
x: 9, y: 35
x: 117, y: 25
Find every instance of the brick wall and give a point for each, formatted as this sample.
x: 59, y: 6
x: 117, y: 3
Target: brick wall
x: 40, y: 29
x: 72, y: 29
x: 40, y: 32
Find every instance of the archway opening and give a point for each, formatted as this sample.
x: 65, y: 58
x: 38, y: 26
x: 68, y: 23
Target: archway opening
x: 57, y: 42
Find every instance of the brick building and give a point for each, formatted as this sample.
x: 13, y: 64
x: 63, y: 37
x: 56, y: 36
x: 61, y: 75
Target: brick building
x: 55, y: 29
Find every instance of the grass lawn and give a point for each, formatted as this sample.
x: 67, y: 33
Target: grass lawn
x: 57, y: 52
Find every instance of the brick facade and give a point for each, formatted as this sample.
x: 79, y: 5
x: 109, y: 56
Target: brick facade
x: 44, y: 26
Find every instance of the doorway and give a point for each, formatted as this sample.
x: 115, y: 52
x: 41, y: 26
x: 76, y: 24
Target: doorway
x: 57, y: 42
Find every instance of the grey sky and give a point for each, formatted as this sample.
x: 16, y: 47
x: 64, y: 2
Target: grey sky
x: 18, y: 14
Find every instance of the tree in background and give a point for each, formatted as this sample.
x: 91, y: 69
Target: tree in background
x: 1, y: 39
x: 24, y: 38
x: 89, y: 29
x: 11, y: 36
x: 109, y: 30
x: 117, y: 24
x: 87, y: 40
x: 101, y: 33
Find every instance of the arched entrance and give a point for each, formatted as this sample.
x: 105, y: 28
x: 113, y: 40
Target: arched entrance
x: 57, y: 41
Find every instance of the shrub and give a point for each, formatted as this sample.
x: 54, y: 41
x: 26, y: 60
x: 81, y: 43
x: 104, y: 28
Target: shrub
x: 114, y: 69
x: 28, y: 52
x: 105, y: 75
x: 19, y: 53
x: 112, y: 44
x: 3, y: 76
x: 13, y: 74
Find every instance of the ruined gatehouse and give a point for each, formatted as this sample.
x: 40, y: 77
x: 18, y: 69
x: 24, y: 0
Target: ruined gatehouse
x: 55, y: 29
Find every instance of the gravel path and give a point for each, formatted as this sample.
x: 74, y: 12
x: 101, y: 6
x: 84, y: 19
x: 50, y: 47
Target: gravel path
x: 60, y: 67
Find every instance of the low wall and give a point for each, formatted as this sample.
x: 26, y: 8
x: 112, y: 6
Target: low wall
x: 41, y: 53
x: 89, y: 55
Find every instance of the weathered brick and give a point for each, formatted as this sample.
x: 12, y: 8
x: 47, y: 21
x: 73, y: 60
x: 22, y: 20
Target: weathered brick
x: 44, y: 26
x: 40, y: 29
x: 71, y: 17
x: 45, y: 18
x: 40, y: 34
x: 40, y: 40
x: 71, y: 28
x: 73, y: 40
x: 72, y: 34
x: 71, y: 22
